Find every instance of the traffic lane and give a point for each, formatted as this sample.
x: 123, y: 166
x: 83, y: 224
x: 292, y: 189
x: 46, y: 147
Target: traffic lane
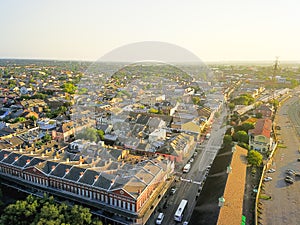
x: 186, y: 190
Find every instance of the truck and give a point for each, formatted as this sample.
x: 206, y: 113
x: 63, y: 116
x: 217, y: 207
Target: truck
x: 186, y: 168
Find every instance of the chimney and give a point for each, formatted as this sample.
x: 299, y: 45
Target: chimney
x: 67, y: 160
x: 43, y: 155
x: 27, y: 161
x: 96, y: 178
x: 52, y: 168
x: 67, y: 171
x: 16, y: 158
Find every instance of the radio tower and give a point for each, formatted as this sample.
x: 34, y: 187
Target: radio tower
x: 275, y: 70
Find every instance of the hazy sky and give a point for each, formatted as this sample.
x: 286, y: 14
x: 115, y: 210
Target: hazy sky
x: 213, y: 30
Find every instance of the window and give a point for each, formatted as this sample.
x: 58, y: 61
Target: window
x: 128, y: 205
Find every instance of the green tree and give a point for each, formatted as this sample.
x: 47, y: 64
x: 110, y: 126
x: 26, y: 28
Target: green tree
x: 152, y: 110
x: 81, y: 215
x: 69, y: 88
x: 241, y: 136
x: 196, y: 100
x: 227, y: 140
x: 258, y: 115
x: 47, y: 137
x: 101, y: 134
x: 246, y: 127
x: 89, y: 134
x: 231, y: 106
x: 19, y: 119
x: 254, y: 158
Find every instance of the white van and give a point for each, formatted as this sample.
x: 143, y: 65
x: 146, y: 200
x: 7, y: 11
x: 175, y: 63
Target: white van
x: 186, y: 168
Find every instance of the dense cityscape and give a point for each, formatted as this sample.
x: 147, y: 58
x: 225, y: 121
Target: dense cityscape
x: 132, y: 148
x: 149, y: 112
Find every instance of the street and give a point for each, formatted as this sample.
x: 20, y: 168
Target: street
x: 188, y: 185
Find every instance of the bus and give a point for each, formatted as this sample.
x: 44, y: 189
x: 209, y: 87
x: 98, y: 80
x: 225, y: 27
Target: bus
x: 180, y: 210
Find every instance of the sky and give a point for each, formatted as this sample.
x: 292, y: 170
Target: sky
x: 214, y: 30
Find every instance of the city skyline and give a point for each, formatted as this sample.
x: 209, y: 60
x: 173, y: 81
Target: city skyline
x: 213, y: 31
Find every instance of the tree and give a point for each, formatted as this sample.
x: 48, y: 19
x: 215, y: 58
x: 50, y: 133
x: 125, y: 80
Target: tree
x: 47, y: 137
x: 46, y: 211
x: 231, y: 106
x: 101, y: 134
x: 241, y: 136
x: 196, y: 100
x: 245, y: 127
x: 32, y: 118
x: 69, y: 88
x: 254, y: 158
x: 227, y: 140
x: 19, y: 119
x: 152, y: 110
x: 89, y: 134
x: 258, y: 115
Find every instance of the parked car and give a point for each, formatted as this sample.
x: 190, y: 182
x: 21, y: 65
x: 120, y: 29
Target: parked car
x: 298, y: 159
x: 160, y: 218
x: 267, y: 178
x: 271, y: 171
x: 290, y: 171
x: 173, y: 190
x: 290, y: 181
x: 291, y: 178
x: 191, y: 160
x: 185, y: 223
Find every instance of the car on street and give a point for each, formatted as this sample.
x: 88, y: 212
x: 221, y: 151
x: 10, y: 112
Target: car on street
x: 160, y: 218
x: 298, y: 159
x: 271, y: 171
x: 185, y: 223
x: 191, y: 160
x: 173, y: 190
x: 267, y: 179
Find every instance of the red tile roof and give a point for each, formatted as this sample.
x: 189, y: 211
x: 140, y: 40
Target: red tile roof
x: 262, y: 127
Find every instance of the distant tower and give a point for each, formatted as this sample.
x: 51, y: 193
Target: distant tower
x: 275, y: 71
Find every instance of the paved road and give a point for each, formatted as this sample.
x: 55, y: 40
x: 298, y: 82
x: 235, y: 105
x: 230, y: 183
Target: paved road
x: 283, y: 208
x: 188, y: 184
